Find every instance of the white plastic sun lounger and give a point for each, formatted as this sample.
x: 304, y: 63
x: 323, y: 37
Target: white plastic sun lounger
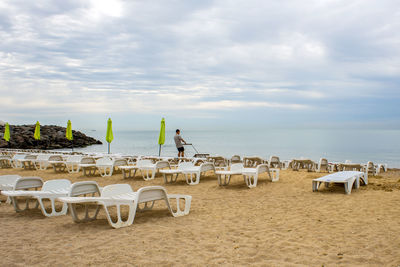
x: 58, y: 163
x: 250, y: 175
x: 118, y: 195
x: 193, y: 174
x: 348, y: 178
x: 5, y: 161
x: 16, y: 182
x: 42, y: 161
x: 323, y: 165
x: 88, y: 166
x: 105, y: 166
x: 168, y: 174
x: 274, y: 162
x: 146, y: 167
x: 16, y: 160
x: 72, y: 163
x: 224, y: 177
x: 50, y: 190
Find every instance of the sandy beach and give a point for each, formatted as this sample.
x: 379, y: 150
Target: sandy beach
x: 274, y: 224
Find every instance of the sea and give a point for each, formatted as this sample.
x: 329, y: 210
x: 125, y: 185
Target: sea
x: 337, y: 145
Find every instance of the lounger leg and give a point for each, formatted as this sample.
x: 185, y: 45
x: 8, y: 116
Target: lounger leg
x: 120, y: 223
x: 87, y: 218
x: 274, y: 175
x: 179, y: 211
x: 53, y: 208
x: 251, y: 180
x: 171, y: 179
x: 17, y: 207
x: 124, y: 173
x: 147, y: 206
x: 192, y: 181
x: 224, y: 179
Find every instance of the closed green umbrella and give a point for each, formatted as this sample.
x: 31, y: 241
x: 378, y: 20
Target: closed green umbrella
x: 109, y: 135
x: 161, y: 138
x: 68, y: 133
x: 36, y: 135
x: 7, y: 132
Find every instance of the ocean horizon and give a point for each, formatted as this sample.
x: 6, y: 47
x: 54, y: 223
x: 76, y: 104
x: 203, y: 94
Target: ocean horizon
x: 361, y: 146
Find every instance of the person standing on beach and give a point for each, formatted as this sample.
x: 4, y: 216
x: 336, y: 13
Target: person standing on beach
x: 178, y: 142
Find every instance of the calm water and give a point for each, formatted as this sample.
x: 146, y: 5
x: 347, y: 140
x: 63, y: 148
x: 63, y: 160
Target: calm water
x: 336, y: 145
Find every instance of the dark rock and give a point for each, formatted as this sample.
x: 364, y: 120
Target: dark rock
x: 51, y: 137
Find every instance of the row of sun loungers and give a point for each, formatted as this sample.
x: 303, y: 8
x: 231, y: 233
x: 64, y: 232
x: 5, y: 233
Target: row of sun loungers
x: 73, y: 196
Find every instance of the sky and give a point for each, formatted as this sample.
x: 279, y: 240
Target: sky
x: 201, y: 64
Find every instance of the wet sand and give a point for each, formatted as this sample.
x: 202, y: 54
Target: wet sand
x: 275, y: 224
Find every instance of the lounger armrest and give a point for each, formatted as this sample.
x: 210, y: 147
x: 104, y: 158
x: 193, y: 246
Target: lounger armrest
x: 28, y: 182
x: 179, y: 211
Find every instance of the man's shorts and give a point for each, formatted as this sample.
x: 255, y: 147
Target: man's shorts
x: 181, y: 149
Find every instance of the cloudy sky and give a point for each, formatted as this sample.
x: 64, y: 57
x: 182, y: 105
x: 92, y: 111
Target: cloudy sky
x: 201, y: 64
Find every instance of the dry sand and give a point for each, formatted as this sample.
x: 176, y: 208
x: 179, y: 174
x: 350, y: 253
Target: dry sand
x: 275, y: 224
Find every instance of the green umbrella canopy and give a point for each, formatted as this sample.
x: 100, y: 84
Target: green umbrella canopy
x: 161, y: 138
x: 36, y: 135
x: 68, y: 133
x: 109, y: 136
x: 7, y: 132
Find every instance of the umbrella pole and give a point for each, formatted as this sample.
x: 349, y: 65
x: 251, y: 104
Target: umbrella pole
x: 159, y: 151
x: 108, y: 148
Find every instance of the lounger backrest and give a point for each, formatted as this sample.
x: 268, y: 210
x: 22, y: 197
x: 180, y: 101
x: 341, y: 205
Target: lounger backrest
x: 88, y: 160
x: 84, y: 188
x: 105, y: 161
x: 19, y: 156
x: 219, y: 161
x: 116, y: 189
x: 74, y: 159
x: 185, y: 165
x: 43, y: 157
x: 144, y: 162
x: 274, y: 161
x: 262, y: 168
x: 150, y: 193
x: 120, y: 162
x: 28, y: 182
x: 252, y: 162
x: 236, y: 159
x: 56, y: 185
x: 237, y: 167
x: 55, y: 158
x: 207, y: 166
x: 9, y: 179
